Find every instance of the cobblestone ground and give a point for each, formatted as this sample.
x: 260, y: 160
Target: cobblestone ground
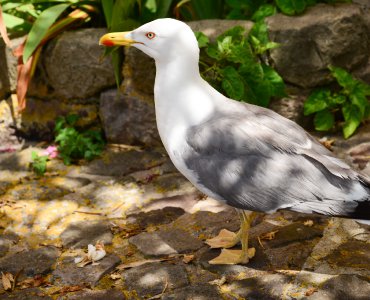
x: 153, y: 224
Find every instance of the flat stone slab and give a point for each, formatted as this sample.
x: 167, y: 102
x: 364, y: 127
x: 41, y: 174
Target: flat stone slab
x: 124, y: 162
x: 203, y: 292
x: 27, y: 294
x: 67, y: 272
x: 156, y: 217
x: 164, y: 242
x: 152, y: 279
x: 79, y: 235
x: 32, y: 262
x: 111, y: 294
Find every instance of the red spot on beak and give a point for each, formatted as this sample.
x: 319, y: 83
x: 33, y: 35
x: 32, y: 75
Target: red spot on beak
x: 108, y: 43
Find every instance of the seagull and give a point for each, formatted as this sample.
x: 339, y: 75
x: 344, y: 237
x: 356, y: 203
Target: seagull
x: 246, y: 156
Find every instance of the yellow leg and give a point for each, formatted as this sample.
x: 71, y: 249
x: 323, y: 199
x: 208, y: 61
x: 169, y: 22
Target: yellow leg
x: 232, y: 257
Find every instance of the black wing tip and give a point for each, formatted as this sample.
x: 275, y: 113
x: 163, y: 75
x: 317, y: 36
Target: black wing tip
x: 362, y: 211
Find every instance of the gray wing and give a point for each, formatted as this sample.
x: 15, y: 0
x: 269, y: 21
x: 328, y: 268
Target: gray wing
x: 257, y: 160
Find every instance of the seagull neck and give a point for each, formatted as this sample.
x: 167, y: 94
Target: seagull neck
x: 177, y: 70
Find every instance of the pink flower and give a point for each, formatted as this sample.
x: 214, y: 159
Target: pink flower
x: 51, y: 151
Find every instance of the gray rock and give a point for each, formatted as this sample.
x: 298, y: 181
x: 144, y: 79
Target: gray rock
x: 196, y: 292
x: 67, y: 272
x: 267, y: 287
x: 6, y: 241
x: 128, y: 119
x: 151, y: 279
x: 324, y: 35
x: 9, y: 141
x: 156, y: 217
x: 27, y: 294
x: 8, y: 67
x: 343, y: 286
x: 73, y: 66
x: 32, y: 262
x: 38, y: 119
x: 123, y: 163
x: 94, y: 295
x: 165, y: 241
x: 79, y: 235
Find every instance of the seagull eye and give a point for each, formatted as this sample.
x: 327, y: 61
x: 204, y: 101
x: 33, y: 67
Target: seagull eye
x: 150, y: 35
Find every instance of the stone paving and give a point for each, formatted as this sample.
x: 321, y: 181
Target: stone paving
x: 153, y: 224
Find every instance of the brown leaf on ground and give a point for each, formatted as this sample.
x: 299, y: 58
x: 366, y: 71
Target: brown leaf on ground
x: 268, y: 235
x: 308, y: 223
x: 36, y: 281
x: 115, y: 276
x: 310, y: 291
x: 139, y: 263
x: 327, y: 143
x: 7, y: 280
x: 68, y: 289
x: 188, y: 258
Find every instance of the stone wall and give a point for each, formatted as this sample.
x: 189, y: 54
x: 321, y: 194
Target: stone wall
x: 72, y: 76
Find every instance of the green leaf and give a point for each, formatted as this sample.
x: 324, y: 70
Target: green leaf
x: 241, y: 54
x: 72, y: 119
x: 276, y: 82
x: 151, y: 5
x: 202, y: 39
x: 237, y: 33
x: 291, y: 7
x: 317, y: 101
x: 344, y: 78
x: 212, y: 51
x: 358, y: 98
x: 108, y: 11
x: 224, y: 45
x: 352, y: 117
x: 40, y: 28
x: 265, y: 10
x: 232, y: 83
x: 324, y: 120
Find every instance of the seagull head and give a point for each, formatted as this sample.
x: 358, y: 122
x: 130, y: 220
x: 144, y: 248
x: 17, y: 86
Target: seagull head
x: 162, y: 39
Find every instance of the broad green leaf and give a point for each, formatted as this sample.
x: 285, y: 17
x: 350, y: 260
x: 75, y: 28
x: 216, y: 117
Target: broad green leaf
x: 163, y: 8
x: 108, y: 11
x: 151, y: 5
x: 324, y: 120
x: 264, y: 11
x: 212, y: 51
x: 275, y: 80
x: 208, y: 9
x: 241, y: 54
x: 344, y: 78
x: 232, y: 83
x: 337, y: 99
x: 12, y: 22
x: 291, y: 7
x: 359, y: 99
x: 318, y: 100
x: 237, y: 33
x: 224, y: 45
x: 352, y: 118
x: 202, y: 39
x: 40, y: 28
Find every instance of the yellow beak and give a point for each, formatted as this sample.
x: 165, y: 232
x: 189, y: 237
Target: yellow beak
x: 116, y: 39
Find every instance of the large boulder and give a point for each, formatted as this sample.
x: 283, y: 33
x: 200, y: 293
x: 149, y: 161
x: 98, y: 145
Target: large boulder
x: 8, y: 67
x: 72, y: 67
x: 324, y: 35
x: 129, y: 118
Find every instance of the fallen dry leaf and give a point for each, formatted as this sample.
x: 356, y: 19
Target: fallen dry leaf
x: 68, y: 289
x: 310, y: 291
x: 308, y: 223
x: 268, y: 235
x: 115, y: 276
x: 94, y: 254
x: 188, y: 258
x: 139, y: 263
x: 327, y: 143
x: 36, y: 281
x: 7, y: 280
x: 218, y: 282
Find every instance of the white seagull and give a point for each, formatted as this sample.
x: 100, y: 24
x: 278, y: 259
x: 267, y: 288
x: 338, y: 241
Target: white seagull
x: 246, y: 156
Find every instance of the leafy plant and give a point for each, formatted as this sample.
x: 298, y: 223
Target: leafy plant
x: 38, y: 163
x: 350, y: 104
x: 73, y: 144
x: 233, y: 66
x: 42, y: 20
